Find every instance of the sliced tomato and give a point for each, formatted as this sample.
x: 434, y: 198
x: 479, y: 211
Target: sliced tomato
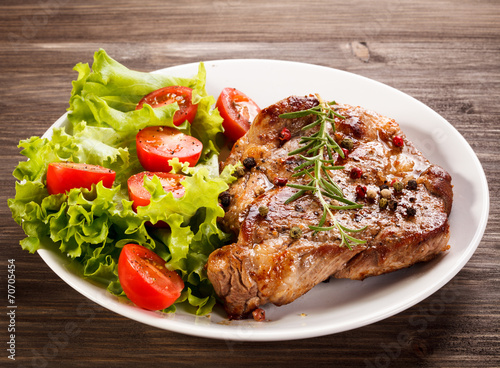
x: 63, y: 176
x: 145, y: 279
x: 140, y: 195
x: 238, y: 112
x: 168, y: 95
x: 157, y: 145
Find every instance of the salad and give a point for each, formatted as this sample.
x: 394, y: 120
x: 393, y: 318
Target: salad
x: 129, y: 188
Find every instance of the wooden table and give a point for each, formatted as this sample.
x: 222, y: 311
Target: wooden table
x: 444, y: 53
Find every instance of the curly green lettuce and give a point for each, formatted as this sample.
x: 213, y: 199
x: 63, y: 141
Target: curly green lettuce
x: 91, y: 226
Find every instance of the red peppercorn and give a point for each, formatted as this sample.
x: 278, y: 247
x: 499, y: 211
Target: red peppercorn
x: 280, y: 182
x: 345, y: 151
x: 356, y: 173
x: 398, y: 141
x: 361, y: 191
x: 285, y: 135
x: 259, y: 314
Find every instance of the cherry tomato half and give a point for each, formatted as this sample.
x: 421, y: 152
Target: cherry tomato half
x: 238, y: 112
x: 157, y: 145
x: 140, y: 195
x: 145, y: 279
x: 63, y: 176
x: 168, y: 95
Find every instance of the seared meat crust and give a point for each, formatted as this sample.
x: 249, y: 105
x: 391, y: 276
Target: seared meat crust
x: 269, y: 264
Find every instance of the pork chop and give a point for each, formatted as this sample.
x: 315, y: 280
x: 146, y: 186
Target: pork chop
x: 274, y: 262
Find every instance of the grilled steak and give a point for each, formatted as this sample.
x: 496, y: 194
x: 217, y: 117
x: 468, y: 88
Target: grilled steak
x: 272, y: 262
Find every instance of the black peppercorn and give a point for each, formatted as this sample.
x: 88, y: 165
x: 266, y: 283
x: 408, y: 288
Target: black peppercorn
x: 384, y: 186
x: 249, y: 162
x: 411, y: 185
x: 225, y: 199
x: 392, y: 204
x: 299, y: 208
x: 410, y: 212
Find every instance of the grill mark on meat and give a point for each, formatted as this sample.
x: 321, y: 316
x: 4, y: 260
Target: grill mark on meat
x: 266, y: 264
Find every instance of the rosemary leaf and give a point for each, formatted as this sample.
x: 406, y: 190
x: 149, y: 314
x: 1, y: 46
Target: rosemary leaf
x: 302, y: 166
x: 303, y: 172
x: 330, y: 154
x: 311, y: 159
x: 328, y: 161
x: 312, y: 125
x: 336, y: 188
x: 345, y: 207
x: 323, y: 218
x: 332, y: 188
x: 319, y: 228
x: 353, y: 239
x: 296, y: 114
x: 302, y: 187
x: 302, y: 149
x: 297, y: 195
x: 333, y: 167
x: 352, y: 230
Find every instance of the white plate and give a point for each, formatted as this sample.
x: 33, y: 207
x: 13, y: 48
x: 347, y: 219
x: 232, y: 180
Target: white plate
x: 341, y: 304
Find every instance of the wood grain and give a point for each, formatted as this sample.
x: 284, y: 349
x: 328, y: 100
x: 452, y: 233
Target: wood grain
x: 444, y: 53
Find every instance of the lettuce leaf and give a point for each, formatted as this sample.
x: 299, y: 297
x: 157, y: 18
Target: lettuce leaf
x: 106, y: 96
x: 91, y: 226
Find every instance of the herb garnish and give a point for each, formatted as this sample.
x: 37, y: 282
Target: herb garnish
x: 316, y: 167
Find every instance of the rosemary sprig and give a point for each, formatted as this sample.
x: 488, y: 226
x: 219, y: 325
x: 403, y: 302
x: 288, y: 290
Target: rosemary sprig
x: 316, y: 167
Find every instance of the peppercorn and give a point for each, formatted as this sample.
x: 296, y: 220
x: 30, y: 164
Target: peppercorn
x: 384, y: 186
x: 371, y: 194
x: 382, y: 203
x: 356, y: 173
x: 240, y: 171
x: 299, y: 208
x: 285, y: 135
x: 263, y: 211
x: 412, y: 184
x: 295, y: 232
x: 398, y: 186
x: 347, y: 144
x: 398, y: 141
x: 345, y: 151
x: 259, y: 314
x: 225, y: 199
x: 360, y: 191
x: 385, y: 193
x: 392, y: 204
x: 249, y: 162
x: 410, y: 211
x: 280, y: 182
